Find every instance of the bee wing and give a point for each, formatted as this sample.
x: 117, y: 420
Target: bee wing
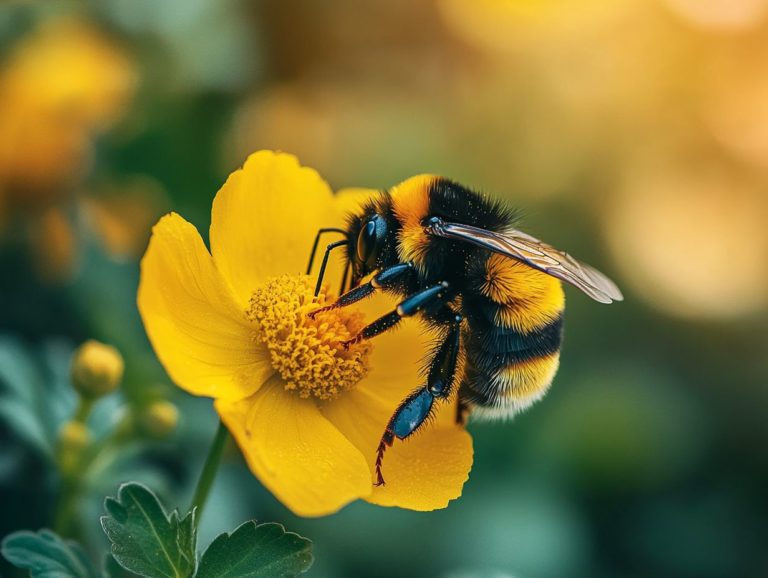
x: 539, y: 255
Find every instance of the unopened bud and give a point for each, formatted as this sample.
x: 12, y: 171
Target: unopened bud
x: 97, y: 369
x: 74, y: 436
x: 158, y: 419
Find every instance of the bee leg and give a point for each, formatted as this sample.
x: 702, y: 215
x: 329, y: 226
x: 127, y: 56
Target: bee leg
x: 345, y: 277
x: 417, y: 408
x: 320, y: 233
x: 413, y: 411
x: 407, y: 308
x: 382, y: 280
x: 324, y: 264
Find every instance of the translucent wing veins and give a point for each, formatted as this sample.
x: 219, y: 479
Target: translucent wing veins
x: 523, y: 247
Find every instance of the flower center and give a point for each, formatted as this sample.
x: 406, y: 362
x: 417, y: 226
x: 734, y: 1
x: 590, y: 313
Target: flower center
x: 308, y: 353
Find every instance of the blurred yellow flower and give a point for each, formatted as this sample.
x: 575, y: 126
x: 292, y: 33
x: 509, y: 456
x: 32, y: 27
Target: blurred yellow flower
x: 97, y: 369
x: 60, y: 84
x: 122, y: 213
x: 158, y: 419
x: 232, y: 324
x: 53, y: 245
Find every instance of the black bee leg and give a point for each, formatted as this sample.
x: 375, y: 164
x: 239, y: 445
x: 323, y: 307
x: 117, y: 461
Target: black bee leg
x: 407, y: 308
x: 416, y: 409
x: 317, y: 242
x: 345, y: 278
x: 382, y: 280
x: 324, y: 264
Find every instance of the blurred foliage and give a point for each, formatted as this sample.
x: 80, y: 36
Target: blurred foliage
x: 633, y: 133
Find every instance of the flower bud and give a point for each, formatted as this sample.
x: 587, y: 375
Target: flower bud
x: 158, y: 419
x: 97, y: 369
x: 74, y: 437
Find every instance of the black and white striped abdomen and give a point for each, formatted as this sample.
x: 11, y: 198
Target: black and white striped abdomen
x: 513, y: 336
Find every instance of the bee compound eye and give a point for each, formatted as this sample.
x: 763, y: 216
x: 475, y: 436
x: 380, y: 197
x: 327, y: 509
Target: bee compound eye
x: 370, y: 239
x: 366, y: 240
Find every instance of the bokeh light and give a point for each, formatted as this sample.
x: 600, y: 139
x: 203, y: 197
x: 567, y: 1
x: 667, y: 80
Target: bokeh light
x: 722, y: 15
x: 631, y: 133
x: 693, y: 241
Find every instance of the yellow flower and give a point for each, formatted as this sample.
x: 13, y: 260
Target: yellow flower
x: 61, y: 83
x: 97, y: 369
x: 232, y: 325
x: 158, y: 419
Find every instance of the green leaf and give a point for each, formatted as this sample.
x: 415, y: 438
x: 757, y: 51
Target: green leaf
x: 111, y: 569
x: 145, y: 539
x: 187, y: 540
x: 46, y: 555
x: 34, y: 399
x: 256, y: 551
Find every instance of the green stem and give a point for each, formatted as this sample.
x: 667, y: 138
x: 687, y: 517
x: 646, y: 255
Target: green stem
x: 62, y: 517
x: 74, y: 475
x: 84, y: 407
x: 69, y: 468
x: 208, y: 474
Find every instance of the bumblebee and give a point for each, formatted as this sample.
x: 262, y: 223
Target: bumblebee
x: 492, y: 293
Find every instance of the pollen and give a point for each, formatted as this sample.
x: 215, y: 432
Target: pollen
x: 308, y: 353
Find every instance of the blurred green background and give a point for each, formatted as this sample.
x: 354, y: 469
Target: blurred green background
x: 634, y: 133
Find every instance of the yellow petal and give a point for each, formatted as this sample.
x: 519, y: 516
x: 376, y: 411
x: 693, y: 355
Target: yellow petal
x: 296, y: 452
x: 426, y: 471
x: 202, y: 338
x: 395, y: 363
x: 265, y: 218
x: 423, y: 472
x: 396, y: 359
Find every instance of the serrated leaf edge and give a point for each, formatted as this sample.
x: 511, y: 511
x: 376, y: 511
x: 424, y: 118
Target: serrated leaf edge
x: 168, y: 516
x: 256, y: 525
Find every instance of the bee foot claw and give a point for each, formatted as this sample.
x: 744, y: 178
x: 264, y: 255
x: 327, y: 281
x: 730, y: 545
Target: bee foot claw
x: 316, y: 312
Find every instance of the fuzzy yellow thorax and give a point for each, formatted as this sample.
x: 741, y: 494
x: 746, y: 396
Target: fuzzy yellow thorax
x: 308, y: 353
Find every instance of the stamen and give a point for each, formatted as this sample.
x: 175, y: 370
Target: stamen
x: 308, y: 352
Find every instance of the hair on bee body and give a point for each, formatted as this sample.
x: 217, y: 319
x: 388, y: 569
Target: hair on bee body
x: 493, y: 293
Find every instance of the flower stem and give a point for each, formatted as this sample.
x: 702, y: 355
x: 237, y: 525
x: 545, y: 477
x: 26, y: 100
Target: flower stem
x: 62, y: 517
x: 84, y: 407
x: 208, y: 474
x: 69, y: 461
x: 76, y: 472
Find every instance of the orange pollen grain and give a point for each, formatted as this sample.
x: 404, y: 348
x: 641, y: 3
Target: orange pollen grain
x: 308, y: 353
